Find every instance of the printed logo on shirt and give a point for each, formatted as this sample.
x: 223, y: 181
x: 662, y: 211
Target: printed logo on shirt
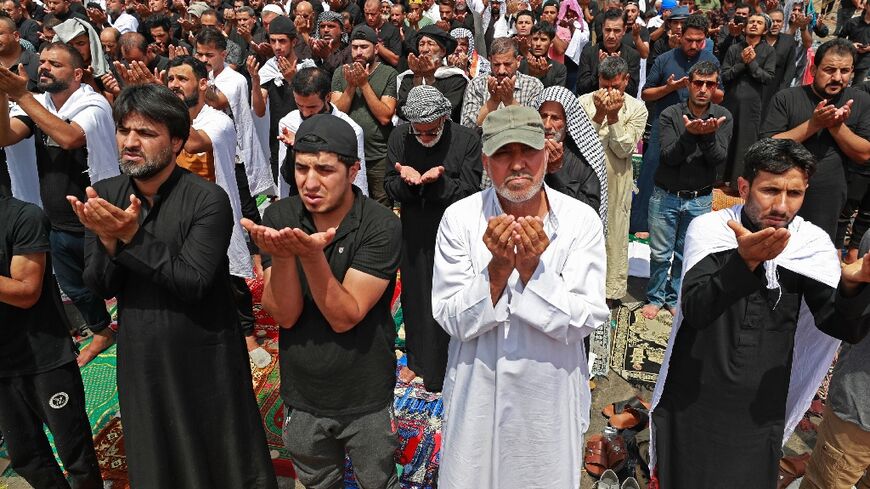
x: 340, y: 250
x: 59, y: 400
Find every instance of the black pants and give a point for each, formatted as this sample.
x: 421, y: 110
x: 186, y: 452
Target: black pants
x: 248, y: 203
x: 857, y: 201
x: 244, y: 304
x: 57, y: 399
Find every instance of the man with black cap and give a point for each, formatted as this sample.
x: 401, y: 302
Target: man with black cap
x: 427, y: 68
x: 366, y: 91
x: 330, y: 257
x: 518, y: 282
x: 431, y: 163
x: 276, y: 77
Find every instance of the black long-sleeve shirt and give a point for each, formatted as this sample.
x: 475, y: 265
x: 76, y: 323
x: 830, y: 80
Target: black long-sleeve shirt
x: 690, y: 162
x: 587, y: 77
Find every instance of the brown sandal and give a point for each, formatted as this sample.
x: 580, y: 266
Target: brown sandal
x: 616, y: 454
x: 595, y: 459
x: 791, y: 468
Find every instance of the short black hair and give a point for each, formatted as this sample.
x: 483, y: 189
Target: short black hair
x: 545, y: 28
x: 75, y: 56
x: 312, y: 80
x: 742, y: 5
x: 703, y: 68
x: 777, y: 156
x: 613, y: 14
x: 837, y: 46
x: 154, y: 102
x: 697, y: 21
x: 158, y: 21
x: 211, y: 36
x: 199, y: 68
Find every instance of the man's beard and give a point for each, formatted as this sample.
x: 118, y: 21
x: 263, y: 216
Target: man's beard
x: 54, y: 86
x: 190, y: 101
x: 755, y: 216
x: 557, y: 135
x: 519, y: 197
x: 151, y: 166
x: 434, y: 141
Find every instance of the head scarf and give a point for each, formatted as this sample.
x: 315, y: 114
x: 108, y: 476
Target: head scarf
x: 581, y: 131
x: 477, y: 65
x: 72, y: 28
x: 426, y: 104
x: 330, y: 16
x: 447, y: 43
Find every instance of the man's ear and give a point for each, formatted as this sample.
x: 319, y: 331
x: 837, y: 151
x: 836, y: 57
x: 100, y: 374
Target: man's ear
x: 177, y: 144
x: 743, y: 187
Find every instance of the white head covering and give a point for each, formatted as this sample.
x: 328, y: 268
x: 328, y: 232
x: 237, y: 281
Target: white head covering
x: 72, y: 28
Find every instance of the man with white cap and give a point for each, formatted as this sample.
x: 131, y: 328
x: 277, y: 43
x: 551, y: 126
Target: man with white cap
x: 431, y: 163
x: 518, y: 283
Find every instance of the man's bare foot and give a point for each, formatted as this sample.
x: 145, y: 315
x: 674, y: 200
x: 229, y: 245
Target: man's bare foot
x: 102, y: 340
x: 672, y: 310
x: 650, y: 311
x: 851, y: 256
x: 642, y: 235
x: 251, y: 342
x: 407, y: 375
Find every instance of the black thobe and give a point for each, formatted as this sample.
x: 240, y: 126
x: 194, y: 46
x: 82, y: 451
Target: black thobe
x: 785, y: 69
x: 744, y: 85
x: 720, y: 421
x: 458, y: 152
x: 826, y: 194
x: 184, y: 381
x: 576, y: 178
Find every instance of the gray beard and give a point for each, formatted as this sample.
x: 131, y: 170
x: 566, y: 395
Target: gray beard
x: 517, y: 197
x: 151, y: 167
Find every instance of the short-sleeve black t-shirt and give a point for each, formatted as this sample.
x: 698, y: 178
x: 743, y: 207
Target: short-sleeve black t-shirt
x: 61, y: 172
x: 5, y: 179
x: 37, y: 339
x: 335, y: 374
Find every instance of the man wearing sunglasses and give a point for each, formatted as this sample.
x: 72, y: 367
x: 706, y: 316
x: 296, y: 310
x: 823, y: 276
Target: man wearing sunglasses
x: 695, y: 136
x: 431, y: 163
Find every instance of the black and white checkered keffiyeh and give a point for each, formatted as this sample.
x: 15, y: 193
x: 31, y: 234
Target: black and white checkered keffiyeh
x: 330, y: 16
x: 581, y: 131
x: 425, y: 104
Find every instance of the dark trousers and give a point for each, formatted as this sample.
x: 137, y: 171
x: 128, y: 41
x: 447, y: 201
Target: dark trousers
x: 857, y: 207
x: 68, y: 260
x: 248, y: 203
x: 244, y: 304
x: 375, y: 172
x: 57, y: 399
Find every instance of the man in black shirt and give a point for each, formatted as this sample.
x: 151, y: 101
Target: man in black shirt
x: 72, y: 124
x: 857, y: 30
x: 613, y: 27
x: 389, y: 46
x: 157, y: 239
x: 695, y: 136
x: 431, y: 163
x: 12, y: 54
x: 832, y: 120
x: 538, y: 63
x: 28, y: 29
x: 330, y: 257
x: 40, y: 382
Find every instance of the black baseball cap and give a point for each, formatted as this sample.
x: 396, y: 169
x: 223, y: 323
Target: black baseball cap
x: 326, y: 132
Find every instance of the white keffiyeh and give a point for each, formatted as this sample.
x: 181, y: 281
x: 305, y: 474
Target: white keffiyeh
x: 581, y: 131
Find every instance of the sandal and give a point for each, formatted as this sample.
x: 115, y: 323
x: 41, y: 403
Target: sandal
x: 618, y: 407
x: 595, y: 458
x: 791, y: 468
x: 630, y: 418
x: 616, y: 453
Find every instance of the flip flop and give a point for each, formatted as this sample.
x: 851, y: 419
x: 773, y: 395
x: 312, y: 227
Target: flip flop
x: 630, y: 418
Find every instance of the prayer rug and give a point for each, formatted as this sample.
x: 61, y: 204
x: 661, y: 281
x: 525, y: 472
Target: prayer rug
x: 639, y: 344
x: 724, y: 201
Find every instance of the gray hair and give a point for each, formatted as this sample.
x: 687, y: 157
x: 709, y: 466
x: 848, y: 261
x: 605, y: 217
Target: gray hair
x: 611, y: 67
x: 504, y: 45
